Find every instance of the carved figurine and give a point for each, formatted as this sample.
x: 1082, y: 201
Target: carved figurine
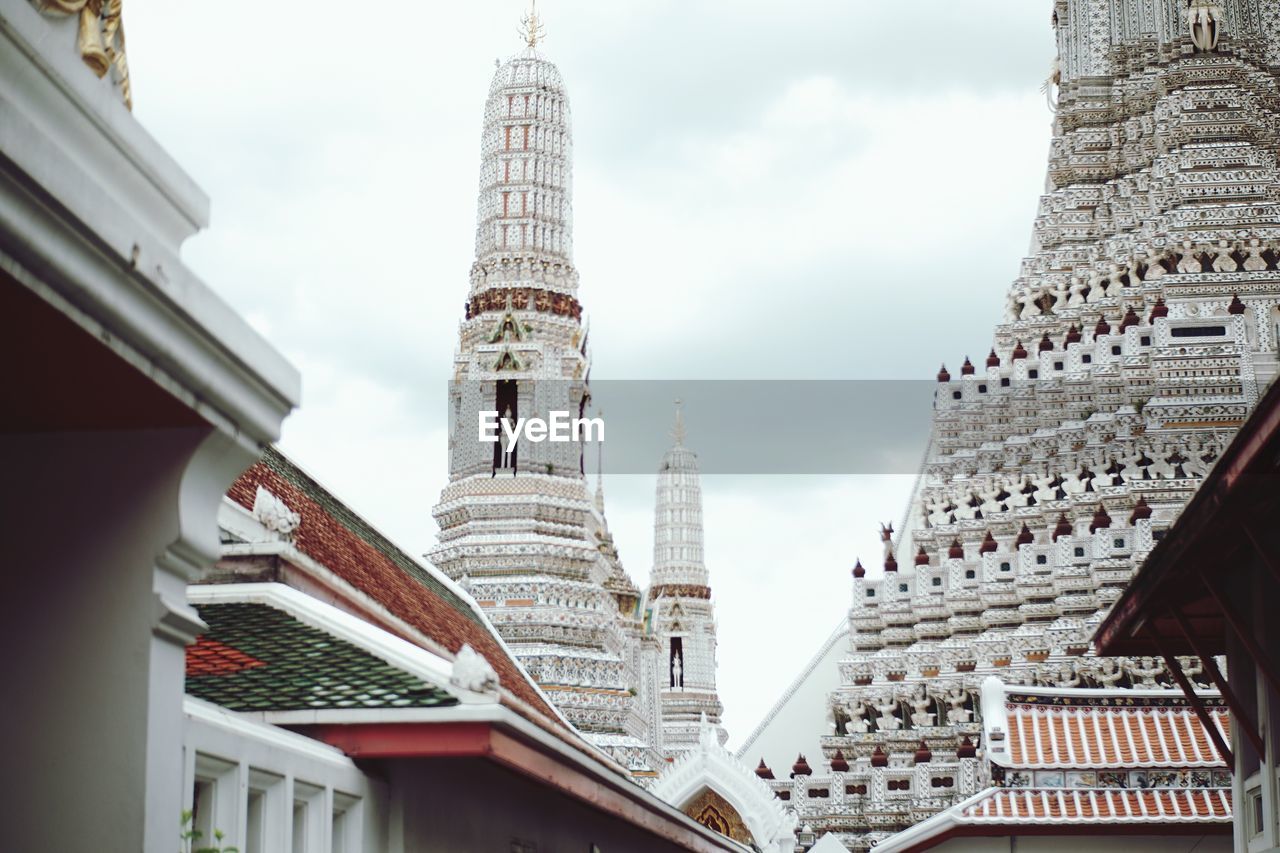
x: 1190, y: 261
x: 887, y: 721
x: 1077, y: 292
x: 1108, y: 672
x: 1254, y: 262
x: 1144, y: 670
x: 841, y: 720
x: 957, y: 714
x: 1066, y: 676
x: 1155, y: 269
x: 1224, y: 262
x: 921, y: 716
x: 1203, y: 19
x: 858, y: 723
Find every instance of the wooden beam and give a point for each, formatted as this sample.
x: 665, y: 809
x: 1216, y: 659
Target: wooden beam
x: 1267, y: 558
x: 1197, y: 704
x: 1242, y: 629
x: 1241, y: 719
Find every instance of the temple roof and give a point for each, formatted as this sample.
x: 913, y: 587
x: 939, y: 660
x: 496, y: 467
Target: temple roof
x: 1092, y: 729
x: 1095, y: 736
x: 1023, y: 811
x: 1105, y: 806
x: 330, y: 534
x: 255, y: 657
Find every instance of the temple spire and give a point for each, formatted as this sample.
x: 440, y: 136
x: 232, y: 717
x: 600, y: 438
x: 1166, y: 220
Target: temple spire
x: 531, y: 26
x: 680, y: 596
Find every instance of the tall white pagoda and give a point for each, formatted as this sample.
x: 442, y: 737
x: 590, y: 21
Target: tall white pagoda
x: 679, y: 600
x: 518, y: 527
x: 1137, y: 336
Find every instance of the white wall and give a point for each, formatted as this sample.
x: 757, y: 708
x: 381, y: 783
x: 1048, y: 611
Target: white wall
x: 268, y: 789
x: 801, y: 719
x: 92, y: 723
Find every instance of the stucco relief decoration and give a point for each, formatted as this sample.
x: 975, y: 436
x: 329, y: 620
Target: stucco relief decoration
x: 100, y: 38
x: 274, y: 514
x: 714, y: 812
x: 1204, y: 18
x: 472, y: 672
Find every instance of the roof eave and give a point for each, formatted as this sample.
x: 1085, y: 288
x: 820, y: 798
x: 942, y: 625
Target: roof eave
x: 495, y: 733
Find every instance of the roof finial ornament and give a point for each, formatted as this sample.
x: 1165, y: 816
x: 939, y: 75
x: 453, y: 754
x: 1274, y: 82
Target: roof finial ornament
x: 678, y: 431
x: 531, y: 25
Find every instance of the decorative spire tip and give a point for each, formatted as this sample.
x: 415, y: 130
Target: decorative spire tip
x: 531, y: 28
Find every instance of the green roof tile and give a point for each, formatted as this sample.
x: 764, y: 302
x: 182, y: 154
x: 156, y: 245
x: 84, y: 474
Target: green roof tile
x: 257, y: 658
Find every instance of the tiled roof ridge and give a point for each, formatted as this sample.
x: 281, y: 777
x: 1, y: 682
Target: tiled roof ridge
x: 1117, y: 699
x: 282, y: 465
x: 1106, y: 805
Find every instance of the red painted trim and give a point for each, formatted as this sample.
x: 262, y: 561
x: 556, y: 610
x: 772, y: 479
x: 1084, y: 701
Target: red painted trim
x: 1210, y: 728
x: 486, y: 741
x: 1240, y: 718
x: 406, y: 740
x: 1243, y: 629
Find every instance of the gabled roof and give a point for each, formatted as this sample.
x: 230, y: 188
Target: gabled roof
x: 289, y: 659
x: 255, y: 657
x: 333, y: 536
x: 710, y: 766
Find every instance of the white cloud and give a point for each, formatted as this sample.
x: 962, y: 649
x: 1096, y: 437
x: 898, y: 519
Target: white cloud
x: 811, y: 189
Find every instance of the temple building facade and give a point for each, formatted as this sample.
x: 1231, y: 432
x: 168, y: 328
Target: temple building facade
x: 1138, y: 335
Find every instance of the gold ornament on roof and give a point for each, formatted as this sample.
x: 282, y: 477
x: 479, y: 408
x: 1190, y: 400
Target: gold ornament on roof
x: 531, y: 25
x: 100, y: 38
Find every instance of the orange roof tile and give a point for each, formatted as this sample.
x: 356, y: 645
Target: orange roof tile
x: 1099, y: 805
x: 1086, y: 737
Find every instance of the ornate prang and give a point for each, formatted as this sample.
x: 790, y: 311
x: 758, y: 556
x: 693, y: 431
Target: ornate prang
x: 1137, y: 336
x: 678, y: 601
x: 519, y: 522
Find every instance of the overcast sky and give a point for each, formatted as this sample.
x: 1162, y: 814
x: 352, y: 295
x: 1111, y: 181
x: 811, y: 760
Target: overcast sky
x: 803, y: 189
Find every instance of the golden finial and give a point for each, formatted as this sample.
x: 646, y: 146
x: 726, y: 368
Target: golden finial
x: 531, y: 25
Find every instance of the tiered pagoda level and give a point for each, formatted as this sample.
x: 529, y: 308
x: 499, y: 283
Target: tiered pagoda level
x: 679, y: 598
x: 519, y: 529
x: 1137, y: 337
